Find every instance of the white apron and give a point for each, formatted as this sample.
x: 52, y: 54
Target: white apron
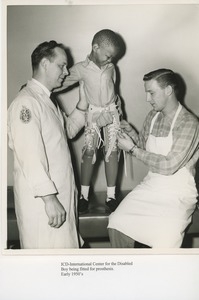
x: 157, y: 212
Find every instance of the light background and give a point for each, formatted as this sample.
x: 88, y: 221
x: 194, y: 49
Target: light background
x: 155, y: 36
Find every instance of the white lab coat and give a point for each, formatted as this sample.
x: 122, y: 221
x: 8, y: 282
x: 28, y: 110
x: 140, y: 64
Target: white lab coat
x: 42, y: 166
x: 159, y: 209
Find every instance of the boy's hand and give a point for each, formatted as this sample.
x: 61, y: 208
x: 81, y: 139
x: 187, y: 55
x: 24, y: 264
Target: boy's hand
x: 105, y: 118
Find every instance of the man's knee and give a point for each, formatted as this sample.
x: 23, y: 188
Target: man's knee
x: 119, y: 239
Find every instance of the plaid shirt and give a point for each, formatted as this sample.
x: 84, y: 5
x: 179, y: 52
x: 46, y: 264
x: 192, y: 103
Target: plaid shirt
x: 185, y: 148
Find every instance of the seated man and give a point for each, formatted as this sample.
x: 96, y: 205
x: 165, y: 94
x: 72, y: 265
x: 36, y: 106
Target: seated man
x: 157, y: 212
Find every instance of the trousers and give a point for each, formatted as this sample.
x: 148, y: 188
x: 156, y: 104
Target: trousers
x: 119, y: 239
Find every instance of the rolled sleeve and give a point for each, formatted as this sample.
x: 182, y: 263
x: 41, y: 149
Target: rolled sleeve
x: 182, y: 153
x: 44, y: 189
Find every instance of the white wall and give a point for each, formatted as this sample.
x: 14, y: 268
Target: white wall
x: 155, y: 35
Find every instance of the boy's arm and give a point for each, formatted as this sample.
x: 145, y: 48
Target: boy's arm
x: 118, y: 102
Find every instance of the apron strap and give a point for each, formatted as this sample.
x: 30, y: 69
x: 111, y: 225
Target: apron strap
x: 153, y: 121
x: 173, y: 122
x: 176, y: 115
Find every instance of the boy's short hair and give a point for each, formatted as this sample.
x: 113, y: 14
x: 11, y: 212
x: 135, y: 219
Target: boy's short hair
x: 107, y: 37
x: 45, y: 49
x: 164, y: 77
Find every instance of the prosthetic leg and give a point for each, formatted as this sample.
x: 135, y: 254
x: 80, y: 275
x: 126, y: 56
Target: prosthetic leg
x: 93, y: 140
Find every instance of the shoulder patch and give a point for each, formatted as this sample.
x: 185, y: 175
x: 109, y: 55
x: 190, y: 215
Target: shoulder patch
x: 25, y: 115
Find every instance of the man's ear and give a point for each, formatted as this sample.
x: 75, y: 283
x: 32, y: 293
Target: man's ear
x: 169, y: 90
x: 44, y: 63
x: 95, y: 47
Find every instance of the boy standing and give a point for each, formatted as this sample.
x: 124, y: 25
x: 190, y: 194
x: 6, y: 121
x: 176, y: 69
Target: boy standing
x: 99, y: 77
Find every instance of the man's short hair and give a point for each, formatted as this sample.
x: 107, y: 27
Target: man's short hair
x: 164, y: 77
x: 45, y: 49
x: 107, y: 37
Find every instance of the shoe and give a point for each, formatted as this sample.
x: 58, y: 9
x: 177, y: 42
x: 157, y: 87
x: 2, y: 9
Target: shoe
x: 112, y: 204
x: 82, y: 205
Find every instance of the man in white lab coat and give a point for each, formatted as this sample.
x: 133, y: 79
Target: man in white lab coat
x: 44, y: 186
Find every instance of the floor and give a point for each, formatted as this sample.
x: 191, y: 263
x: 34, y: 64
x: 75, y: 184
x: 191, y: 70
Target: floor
x: 195, y: 242
x: 100, y: 244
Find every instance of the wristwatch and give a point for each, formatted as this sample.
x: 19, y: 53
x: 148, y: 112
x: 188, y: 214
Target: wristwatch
x: 132, y: 149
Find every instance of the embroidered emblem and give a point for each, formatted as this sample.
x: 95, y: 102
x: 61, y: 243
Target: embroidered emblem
x: 25, y: 115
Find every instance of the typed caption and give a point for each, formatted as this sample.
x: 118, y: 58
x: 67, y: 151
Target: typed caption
x: 69, y: 269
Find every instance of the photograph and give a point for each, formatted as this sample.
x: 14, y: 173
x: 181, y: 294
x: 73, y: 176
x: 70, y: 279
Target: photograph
x: 100, y: 147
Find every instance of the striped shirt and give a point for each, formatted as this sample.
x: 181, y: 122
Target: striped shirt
x: 185, y: 148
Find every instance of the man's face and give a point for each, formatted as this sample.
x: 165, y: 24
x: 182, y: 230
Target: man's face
x: 155, y: 95
x: 57, y: 69
x: 103, y: 54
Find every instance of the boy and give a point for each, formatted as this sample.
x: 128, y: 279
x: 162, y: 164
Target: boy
x: 99, y: 76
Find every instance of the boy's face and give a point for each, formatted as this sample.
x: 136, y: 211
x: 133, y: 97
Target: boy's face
x: 103, y: 54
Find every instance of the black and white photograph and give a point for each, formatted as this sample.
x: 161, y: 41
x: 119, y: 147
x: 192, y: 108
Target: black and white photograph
x: 100, y: 145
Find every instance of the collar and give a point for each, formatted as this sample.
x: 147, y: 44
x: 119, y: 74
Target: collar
x: 42, y: 86
x: 90, y: 62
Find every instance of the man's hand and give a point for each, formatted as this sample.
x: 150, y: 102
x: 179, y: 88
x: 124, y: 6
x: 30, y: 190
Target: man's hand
x: 82, y: 104
x: 54, y: 210
x: 127, y: 128
x: 125, y: 142
x: 105, y: 118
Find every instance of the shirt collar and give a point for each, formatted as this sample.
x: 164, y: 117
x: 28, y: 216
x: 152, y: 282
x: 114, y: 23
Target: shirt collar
x: 42, y: 86
x: 88, y: 61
